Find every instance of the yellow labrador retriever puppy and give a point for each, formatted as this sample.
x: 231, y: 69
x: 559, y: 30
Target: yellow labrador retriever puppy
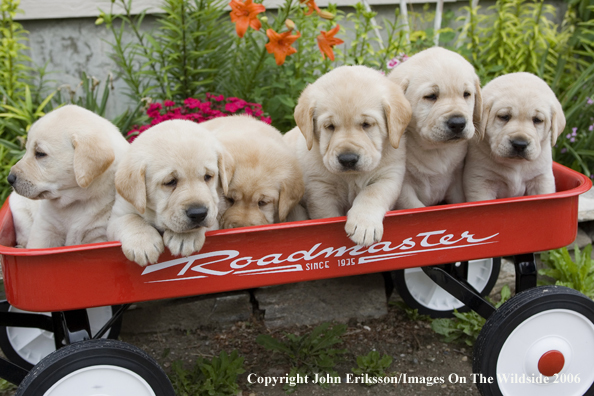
x: 511, y: 157
x: 444, y: 92
x: 23, y: 213
x: 265, y: 179
x: 350, y: 125
x: 167, y: 191
x: 69, y: 164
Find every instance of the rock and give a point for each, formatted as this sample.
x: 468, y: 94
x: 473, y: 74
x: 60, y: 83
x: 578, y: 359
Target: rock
x: 338, y: 299
x: 507, y: 276
x: 582, y: 239
x: 188, y: 313
x: 586, y: 206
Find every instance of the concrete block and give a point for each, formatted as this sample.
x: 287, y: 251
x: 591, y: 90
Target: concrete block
x: 188, y: 313
x: 308, y: 303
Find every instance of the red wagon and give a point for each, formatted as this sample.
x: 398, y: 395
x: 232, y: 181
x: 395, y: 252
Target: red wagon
x: 540, y: 333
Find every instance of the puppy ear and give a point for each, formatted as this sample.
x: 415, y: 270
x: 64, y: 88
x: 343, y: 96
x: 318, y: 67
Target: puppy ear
x: 400, y: 80
x: 291, y: 192
x: 481, y: 127
x: 557, y: 121
x: 93, y: 154
x: 130, y: 182
x: 304, y: 116
x: 226, y: 166
x: 398, y: 113
x: 477, y: 112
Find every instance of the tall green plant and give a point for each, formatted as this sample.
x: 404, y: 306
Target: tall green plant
x: 179, y: 58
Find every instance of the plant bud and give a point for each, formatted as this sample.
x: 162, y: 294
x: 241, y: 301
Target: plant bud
x: 326, y: 15
x: 290, y: 24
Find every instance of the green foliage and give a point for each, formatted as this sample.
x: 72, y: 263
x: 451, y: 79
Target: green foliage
x: 6, y: 386
x: 411, y: 313
x: 577, y: 274
x: 309, y: 353
x: 180, y: 58
x: 208, y: 377
x: 14, y: 65
x: 94, y: 97
x: 520, y: 35
x: 465, y: 327
x: 373, y: 365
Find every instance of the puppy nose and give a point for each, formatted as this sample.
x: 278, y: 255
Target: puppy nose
x: 519, y: 145
x: 197, y: 213
x: 11, y: 178
x: 348, y: 160
x: 456, y: 124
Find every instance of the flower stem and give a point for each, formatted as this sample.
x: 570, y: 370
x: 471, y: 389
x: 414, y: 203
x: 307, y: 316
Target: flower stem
x: 278, y: 23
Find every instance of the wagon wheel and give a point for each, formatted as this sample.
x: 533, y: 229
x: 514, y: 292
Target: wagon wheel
x: 420, y: 292
x: 544, y: 333
x: 97, y: 367
x: 27, y: 346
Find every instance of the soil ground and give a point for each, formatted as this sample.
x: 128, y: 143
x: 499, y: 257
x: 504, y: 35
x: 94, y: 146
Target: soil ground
x: 415, y: 348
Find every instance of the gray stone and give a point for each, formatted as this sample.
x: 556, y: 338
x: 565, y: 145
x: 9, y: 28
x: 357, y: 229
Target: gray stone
x: 582, y: 239
x: 339, y: 299
x: 588, y: 227
x: 586, y: 206
x: 187, y: 313
x: 507, y: 276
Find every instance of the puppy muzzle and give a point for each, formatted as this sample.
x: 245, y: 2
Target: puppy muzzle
x: 456, y: 126
x: 348, y: 161
x: 196, y: 215
x: 518, y: 148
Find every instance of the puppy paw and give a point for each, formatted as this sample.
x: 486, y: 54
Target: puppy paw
x: 184, y: 244
x: 143, y: 247
x: 363, y: 230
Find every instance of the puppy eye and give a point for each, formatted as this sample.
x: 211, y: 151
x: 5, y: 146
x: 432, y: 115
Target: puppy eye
x: 466, y: 94
x: 366, y: 125
x: 230, y: 200
x: 262, y: 203
x: 330, y: 127
x: 432, y: 97
x: 505, y: 117
x: 536, y: 120
x: 171, y: 183
x: 207, y: 178
x: 40, y: 154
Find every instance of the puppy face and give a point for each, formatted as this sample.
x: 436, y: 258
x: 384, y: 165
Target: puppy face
x: 444, y: 92
x: 350, y: 115
x: 265, y: 180
x: 66, y: 149
x: 174, y: 170
x: 521, y: 115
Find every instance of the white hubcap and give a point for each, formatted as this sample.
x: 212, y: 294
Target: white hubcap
x: 564, y: 334
x: 101, y: 381
x: 430, y: 295
x: 33, y: 344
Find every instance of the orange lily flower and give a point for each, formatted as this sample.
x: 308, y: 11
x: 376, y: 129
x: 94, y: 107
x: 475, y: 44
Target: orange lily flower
x: 245, y: 14
x: 280, y: 44
x: 326, y: 41
x: 311, y: 5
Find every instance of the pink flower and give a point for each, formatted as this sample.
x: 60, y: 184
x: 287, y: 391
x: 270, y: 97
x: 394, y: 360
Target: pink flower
x: 191, y: 103
x: 267, y: 120
x: 169, y: 103
x: 392, y: 63
x: 590, y: 101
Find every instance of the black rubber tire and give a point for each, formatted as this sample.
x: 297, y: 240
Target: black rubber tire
x: 12, y: 355
x: 89, y: 353
x: 510, y: 315
x: 400, y: 284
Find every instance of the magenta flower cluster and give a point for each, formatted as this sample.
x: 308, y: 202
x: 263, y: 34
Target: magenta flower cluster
x: 197, y: 110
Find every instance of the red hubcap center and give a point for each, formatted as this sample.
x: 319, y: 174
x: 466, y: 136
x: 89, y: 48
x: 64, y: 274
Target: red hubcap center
x: 551, y: 363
